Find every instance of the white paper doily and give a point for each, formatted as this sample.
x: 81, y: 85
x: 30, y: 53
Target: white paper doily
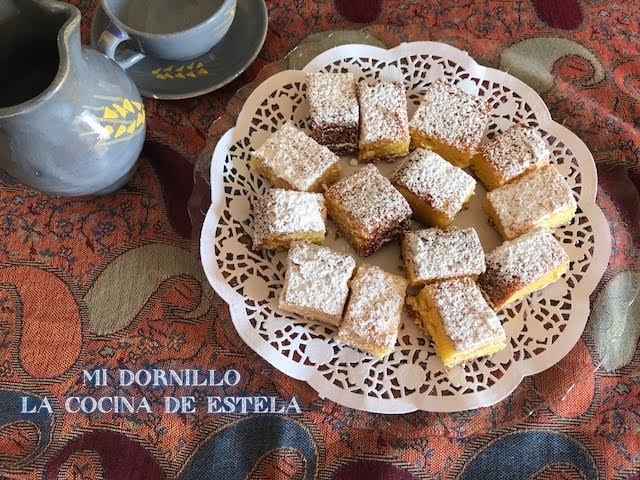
x: 542, y: 327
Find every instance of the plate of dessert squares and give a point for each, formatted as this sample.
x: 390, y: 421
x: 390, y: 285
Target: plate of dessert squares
x: 404, y: 229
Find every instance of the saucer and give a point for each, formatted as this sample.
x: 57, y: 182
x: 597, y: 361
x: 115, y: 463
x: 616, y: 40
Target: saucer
x: 170, y: 80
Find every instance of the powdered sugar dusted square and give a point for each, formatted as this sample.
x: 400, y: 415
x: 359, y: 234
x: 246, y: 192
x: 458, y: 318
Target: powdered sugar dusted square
x: 367, y: 209
x: 436, y: 182
x: 293, y: 160
x: 450, y: 118
x: 511, y: 154
x: 334, y: 110
x: 282, y: 216
x: 384, y: 123
x: 373, y: 313
x: 316, y: 282
x: 436, y: 254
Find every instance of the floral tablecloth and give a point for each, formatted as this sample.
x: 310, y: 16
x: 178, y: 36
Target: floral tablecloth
x: 115, y: 283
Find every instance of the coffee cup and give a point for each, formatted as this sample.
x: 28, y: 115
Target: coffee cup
x: 176, y: 30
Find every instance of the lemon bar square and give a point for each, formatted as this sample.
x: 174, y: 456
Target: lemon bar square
x: 367, y: 209
x: 316, y: 284
x: 285, y: 216
x: 450, y: 122
x: 334, y: 110
x: 458, y: 319
x: 372, y: 317
x: 434, y: 254
x: 517, y: 151
x: 384, y: 122
x: 292, y: 160
x: 435, y: 189
x: 542, y: 198
x: 521, y: 266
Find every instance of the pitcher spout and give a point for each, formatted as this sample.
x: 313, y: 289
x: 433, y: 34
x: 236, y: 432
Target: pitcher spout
x: 39, y: 35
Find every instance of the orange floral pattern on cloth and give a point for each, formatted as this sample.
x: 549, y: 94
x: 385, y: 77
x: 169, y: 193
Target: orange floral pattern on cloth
x: 115, y: 282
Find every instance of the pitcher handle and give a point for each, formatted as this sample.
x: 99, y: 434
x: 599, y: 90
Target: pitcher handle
x: 108, y: 43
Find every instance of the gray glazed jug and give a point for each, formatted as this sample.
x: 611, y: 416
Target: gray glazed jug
x: 71, y: 121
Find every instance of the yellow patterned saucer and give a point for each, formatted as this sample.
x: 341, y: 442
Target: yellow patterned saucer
x: 168, y: 80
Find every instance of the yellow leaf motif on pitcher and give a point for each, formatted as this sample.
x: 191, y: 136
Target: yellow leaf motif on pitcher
x: 120, y: 119
x: 182, y: 72
x: 126, y: 104
x: 109, y: 114
x: 121, y: 111
x: 121, y: 130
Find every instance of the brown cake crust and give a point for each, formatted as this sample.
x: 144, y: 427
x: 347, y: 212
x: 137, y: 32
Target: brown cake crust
x: 340, y: 139
x: 521, y: 262
x: 368, y: 210
x: 334, y: 110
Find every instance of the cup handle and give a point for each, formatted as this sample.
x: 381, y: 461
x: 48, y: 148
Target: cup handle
x: 108, y: 43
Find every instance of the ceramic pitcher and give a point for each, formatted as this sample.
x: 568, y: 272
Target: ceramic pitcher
x: 71, y: 121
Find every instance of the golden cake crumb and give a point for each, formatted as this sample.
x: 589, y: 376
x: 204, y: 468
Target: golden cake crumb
x: 521, y: 266
x: 435, y: 189
x: 517, y: 151
x: 459, y: 321
x: 450, y: 122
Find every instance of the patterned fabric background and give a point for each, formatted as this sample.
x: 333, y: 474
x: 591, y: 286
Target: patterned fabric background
x: 115, y: 282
